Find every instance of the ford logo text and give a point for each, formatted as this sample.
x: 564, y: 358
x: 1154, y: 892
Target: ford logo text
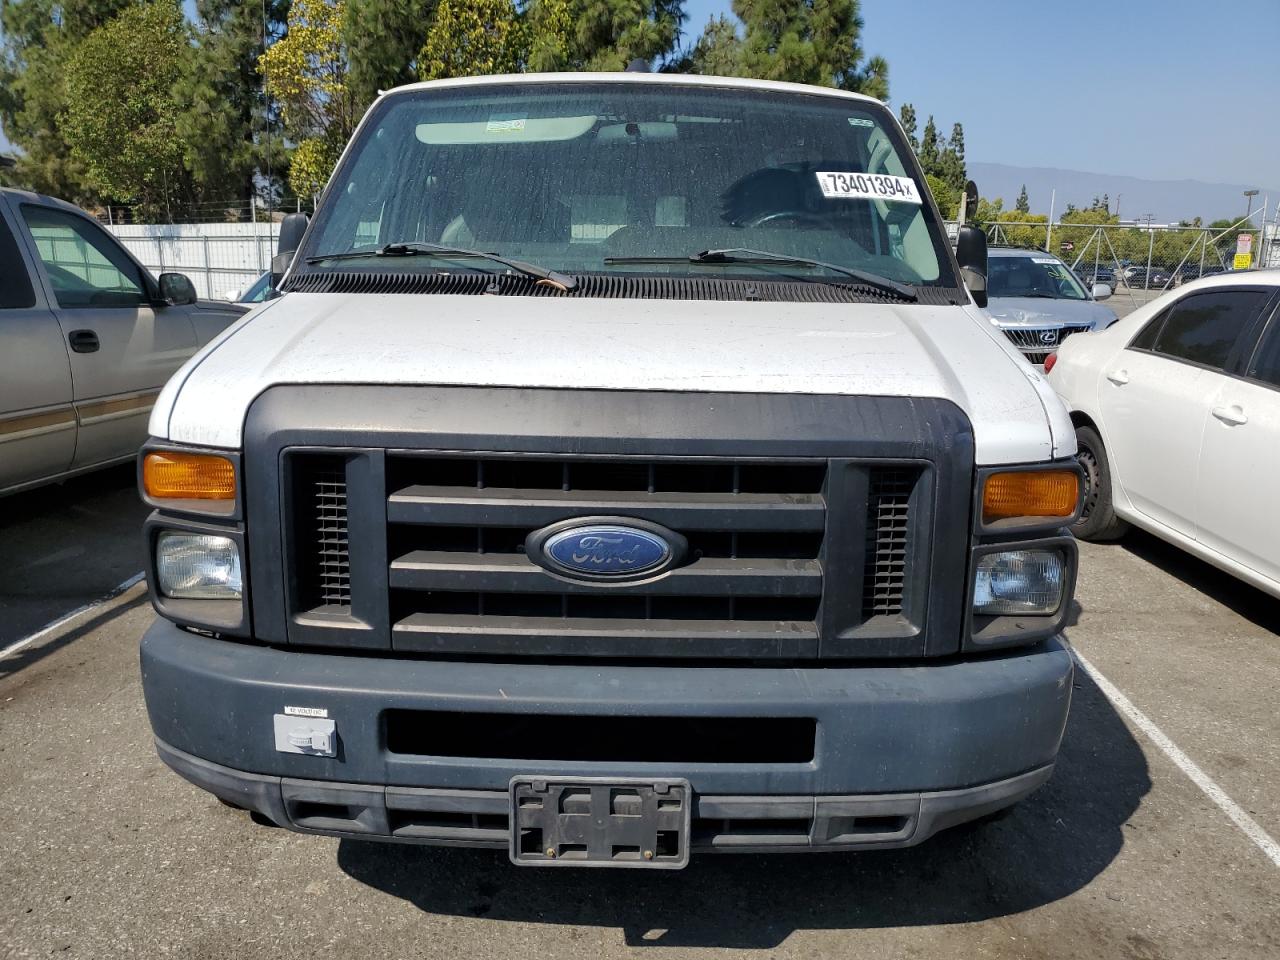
x: 597, y: 550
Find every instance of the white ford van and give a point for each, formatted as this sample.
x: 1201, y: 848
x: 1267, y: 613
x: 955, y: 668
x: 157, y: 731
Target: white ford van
x: 624, y: 471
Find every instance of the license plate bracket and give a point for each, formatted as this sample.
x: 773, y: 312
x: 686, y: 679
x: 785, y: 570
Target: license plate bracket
x: 600, y: 822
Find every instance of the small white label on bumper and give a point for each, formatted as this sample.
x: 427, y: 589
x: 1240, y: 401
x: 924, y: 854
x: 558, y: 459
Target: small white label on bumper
x: 314, y: 736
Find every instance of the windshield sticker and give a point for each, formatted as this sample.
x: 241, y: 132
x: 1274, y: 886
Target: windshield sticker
x: 868, y: 186
x: 861, y: 122
x: 1048, y: 260
x: 505, y: 124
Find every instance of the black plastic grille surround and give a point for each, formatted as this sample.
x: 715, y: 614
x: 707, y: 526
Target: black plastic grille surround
x: 772, y: 492
x: 608, y: 286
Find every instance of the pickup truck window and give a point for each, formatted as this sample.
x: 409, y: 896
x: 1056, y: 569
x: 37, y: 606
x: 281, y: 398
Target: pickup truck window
x: 85, y: 267
x: 628, y: 178
x: 15, y: 286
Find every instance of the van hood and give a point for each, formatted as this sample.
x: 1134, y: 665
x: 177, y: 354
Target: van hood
x: 951, y: 353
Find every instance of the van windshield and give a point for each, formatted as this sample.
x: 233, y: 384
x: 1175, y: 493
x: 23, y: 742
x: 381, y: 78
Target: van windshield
x: 631, y: 178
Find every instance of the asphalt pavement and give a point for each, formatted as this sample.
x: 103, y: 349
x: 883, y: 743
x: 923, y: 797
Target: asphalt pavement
x: 1125, y: 853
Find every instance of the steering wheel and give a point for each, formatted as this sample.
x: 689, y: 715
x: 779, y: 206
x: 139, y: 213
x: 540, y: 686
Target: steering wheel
x: 797, y: 216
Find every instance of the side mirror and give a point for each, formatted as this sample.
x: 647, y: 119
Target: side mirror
x: 231, y: 295
x: 176, y: 290
x: 971, y: 254
x: 1101, y: 291
x: 292, y: 228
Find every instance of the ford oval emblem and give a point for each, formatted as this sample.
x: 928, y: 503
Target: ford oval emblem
x: 605, y: 548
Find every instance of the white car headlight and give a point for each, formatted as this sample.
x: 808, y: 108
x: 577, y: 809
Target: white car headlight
x: 194, y: 566
x: 1019, y: 582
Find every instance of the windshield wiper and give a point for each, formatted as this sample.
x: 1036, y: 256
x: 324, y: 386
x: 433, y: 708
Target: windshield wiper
x: 418, y: 248
x: 747, y: 255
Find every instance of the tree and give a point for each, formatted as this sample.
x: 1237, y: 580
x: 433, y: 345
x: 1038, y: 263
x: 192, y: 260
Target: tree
x: 306, y: 71
x: 121, y: 116
x: 383, y: 39
x: 907, y: 117
x: 600, y: 34
x: 471, y: 37
x: 946, y: 196
x: 809, y: 41
x: 872, y: 80
x: 988, y: 212
x: 223, y: 119
x: 951, y: 162
x: 930, y: 150
x: 38, y: 38
x: 1024, y: 202
x: 718, y: 52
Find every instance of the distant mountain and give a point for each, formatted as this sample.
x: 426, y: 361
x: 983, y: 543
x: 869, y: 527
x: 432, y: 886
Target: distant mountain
x: 1168, y: 201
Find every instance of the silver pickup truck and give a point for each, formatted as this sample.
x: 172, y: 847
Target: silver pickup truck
x: 87, y: 339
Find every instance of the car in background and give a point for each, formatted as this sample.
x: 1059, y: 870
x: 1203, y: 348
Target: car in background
x: 87, y: 339
x: 1143, y: 278
x: 257, y: 292
x: 1092, y: 274
x: 1194, y: 271
x: 1177, y: 416
x: 1038, y: 302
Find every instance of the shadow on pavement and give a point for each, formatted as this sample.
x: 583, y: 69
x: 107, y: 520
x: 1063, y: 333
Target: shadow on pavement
x: 65, y: 545
x: 1050, y: 846
x: 1254, y: 605
x: 33, y: 654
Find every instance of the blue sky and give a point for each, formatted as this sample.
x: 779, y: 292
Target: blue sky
x: 1163, y: 89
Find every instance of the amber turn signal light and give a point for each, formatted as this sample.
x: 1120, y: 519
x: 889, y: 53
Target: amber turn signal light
x: 1030, y: 494
x: 188, y: 476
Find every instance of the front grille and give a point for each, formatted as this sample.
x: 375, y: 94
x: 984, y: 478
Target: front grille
x: 431, y: 558
x: 461, y: 582
x: 888, y: 527
x: 1036, y: 344
x: 324, y: 558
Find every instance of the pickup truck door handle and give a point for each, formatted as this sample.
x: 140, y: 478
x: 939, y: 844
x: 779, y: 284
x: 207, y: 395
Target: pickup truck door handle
x: 1232, y: 416
x: 83, y: 341
x: 1118, y: 377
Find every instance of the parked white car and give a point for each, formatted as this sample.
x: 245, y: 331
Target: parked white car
x: 1177, y: 414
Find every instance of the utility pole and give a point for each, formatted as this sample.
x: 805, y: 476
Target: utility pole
x: 1048, y: 235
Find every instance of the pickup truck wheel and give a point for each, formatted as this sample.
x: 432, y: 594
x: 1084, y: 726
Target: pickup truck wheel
x: 1098, y: 521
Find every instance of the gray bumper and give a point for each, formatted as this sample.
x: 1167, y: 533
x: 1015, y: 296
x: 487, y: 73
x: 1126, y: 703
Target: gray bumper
x: 901, y: 733
x: 479, y: 818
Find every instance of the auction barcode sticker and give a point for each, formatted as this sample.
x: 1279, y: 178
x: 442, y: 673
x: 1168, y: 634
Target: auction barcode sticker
x: 868, y: 186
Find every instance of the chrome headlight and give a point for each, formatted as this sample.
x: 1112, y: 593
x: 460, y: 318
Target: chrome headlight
x: 196, y: 566
x: 1019, y: 582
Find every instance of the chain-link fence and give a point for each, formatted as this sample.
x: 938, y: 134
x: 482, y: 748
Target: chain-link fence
x: 212, y: 211
x: 1143, y: 260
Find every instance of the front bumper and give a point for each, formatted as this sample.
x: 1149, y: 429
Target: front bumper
x: 902, y: 750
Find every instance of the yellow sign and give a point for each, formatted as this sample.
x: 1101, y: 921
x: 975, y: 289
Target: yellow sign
x: 1243, y: 261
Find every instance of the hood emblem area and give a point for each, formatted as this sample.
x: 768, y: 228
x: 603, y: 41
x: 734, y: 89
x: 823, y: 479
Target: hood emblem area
x: 610, y: 549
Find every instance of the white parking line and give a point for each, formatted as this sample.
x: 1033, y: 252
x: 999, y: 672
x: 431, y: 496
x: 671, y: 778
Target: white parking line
x: 66, y: 618
x: 1188, y: 766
